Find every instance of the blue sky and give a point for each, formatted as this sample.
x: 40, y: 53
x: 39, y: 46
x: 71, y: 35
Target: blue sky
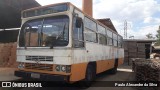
x: 143, y: 16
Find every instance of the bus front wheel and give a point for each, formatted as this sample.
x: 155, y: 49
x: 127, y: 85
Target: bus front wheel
x: 89, y: 77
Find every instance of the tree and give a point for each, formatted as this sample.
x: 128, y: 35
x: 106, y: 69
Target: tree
x: 149, y: 36
x: 158, y: 36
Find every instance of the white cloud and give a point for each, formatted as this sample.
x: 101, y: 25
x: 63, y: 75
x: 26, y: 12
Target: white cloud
x: 137, y: 12
x: 148, y: 19
x: 125, y: 9
x: 157, y: 20
x: 143, y: 31
x: 152, y: 20
x: 139, y: 33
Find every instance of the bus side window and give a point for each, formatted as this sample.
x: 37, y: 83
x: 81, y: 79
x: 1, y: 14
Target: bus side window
x: 102, y: 39
x: 78, y: 35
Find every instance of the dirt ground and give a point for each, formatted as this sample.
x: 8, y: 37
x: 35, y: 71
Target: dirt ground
x: 7, y: 74
x: 124, y: 74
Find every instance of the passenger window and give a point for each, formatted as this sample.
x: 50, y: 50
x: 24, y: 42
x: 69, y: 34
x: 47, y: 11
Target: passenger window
x: 115, y: 43
x: 90, y: 36
x: 110, y: 37
x: 90, y: 24
x: 102, y: 39
x: 110, y: 41
x: 120, y: 41
x: 101, y: 29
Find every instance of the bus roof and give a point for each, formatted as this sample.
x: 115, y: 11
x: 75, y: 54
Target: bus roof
x: 68, y: 3
x: 39, y: 7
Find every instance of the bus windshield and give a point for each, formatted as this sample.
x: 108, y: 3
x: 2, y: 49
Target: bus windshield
x: 45, y: 32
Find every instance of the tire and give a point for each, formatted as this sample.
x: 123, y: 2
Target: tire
x: 89, y: 77
x: 113, y: 70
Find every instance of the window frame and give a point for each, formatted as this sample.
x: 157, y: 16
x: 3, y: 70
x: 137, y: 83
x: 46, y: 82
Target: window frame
x: 109, y: 37
x: 120, y: 39
x: 99, y: 34
x: 101, y: 29
x: 88, y: 30
x: 86, y: 25
x: 40, y: 38
x: 73, y: 44
x: 115, y: 39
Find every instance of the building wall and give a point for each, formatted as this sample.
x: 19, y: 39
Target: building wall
x: 136, y: 49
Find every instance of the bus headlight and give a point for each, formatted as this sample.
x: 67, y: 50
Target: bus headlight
x: 58, y: 68
x: 63, y: 68
x: 21, y: 65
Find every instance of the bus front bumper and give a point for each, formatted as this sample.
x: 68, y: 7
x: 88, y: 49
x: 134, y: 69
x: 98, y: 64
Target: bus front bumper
x: 40, y: 76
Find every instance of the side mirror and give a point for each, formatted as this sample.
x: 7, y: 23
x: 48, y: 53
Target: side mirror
x: 78, y: 22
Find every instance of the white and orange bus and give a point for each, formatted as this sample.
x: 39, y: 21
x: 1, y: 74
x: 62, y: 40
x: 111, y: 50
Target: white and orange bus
x: 61, y: 43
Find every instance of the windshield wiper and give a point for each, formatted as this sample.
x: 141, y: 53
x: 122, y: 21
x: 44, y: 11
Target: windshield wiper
x: 61, y: 33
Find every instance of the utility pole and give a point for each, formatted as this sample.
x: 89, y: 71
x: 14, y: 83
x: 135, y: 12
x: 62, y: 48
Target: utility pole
x: 125, y: 29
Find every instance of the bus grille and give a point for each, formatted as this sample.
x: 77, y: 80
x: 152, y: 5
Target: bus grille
x: 35, y: 66
x: 39, y: 58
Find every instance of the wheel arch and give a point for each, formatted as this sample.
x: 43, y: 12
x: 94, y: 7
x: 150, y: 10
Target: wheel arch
x: 116, y: 62
x: 94, y: 66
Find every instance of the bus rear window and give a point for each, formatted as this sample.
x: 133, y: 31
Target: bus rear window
x: 46, y: 10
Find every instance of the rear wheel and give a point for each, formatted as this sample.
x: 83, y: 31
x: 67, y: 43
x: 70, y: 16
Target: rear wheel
x: 113, y: 70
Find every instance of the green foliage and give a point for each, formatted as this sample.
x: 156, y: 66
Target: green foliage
x: 149, y: 36
x: 158, y: 37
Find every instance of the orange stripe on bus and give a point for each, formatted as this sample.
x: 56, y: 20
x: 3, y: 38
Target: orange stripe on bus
x: 104, y: 65
x: 46, y: 72
x: 78, y: 71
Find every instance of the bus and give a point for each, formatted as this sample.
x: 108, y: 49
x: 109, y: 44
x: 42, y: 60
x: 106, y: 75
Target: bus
x: 59, y: 42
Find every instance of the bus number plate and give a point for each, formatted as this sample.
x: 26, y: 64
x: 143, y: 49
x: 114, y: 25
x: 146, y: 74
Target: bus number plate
x: 35, y: 75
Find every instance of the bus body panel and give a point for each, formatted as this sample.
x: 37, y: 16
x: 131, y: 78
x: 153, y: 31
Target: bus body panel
x: 78, y: 71
x: 121, y: 56
x: 60, y: 56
